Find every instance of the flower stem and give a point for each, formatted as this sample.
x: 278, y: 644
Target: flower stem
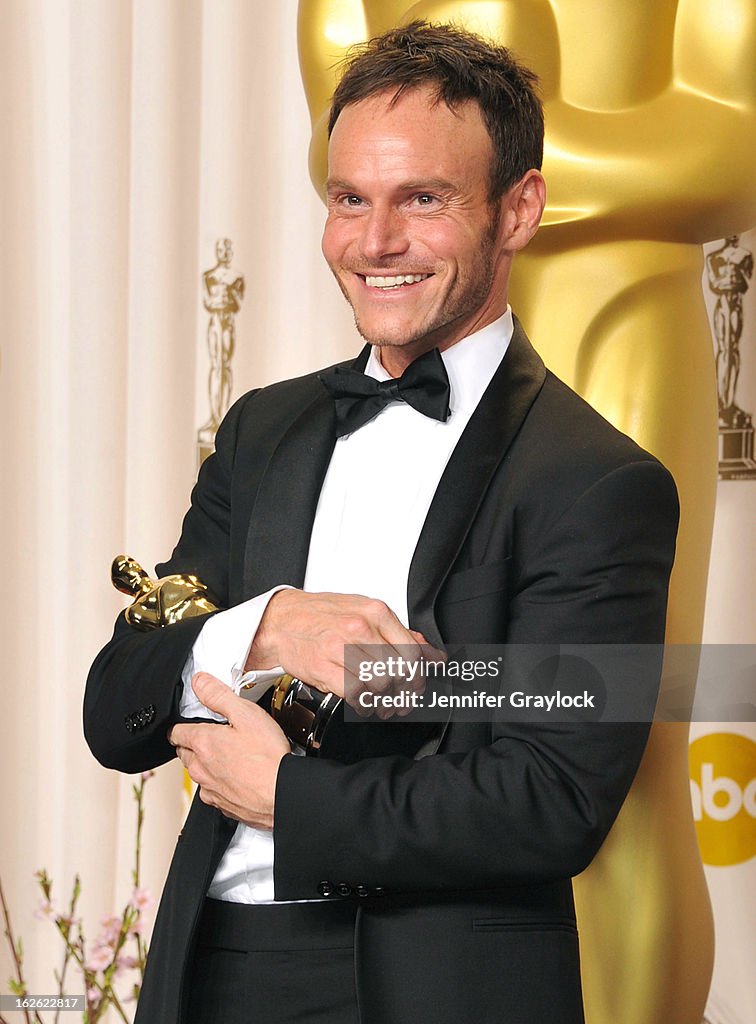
x: 14, y: 949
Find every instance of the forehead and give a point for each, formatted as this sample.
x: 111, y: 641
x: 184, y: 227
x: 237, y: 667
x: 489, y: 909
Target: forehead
x: 412, y: 131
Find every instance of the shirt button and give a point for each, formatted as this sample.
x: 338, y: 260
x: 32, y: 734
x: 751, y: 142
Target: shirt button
x: 379, y: 891
x: 324, y: 888
x: 362, y: 890
x: 343, y: 889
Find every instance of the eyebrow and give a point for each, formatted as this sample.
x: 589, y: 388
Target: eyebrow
x: 338, y: 183
x: 428, y: 185
x: 419, y: 185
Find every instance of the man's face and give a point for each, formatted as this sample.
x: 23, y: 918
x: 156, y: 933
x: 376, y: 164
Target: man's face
x: 415, y: 245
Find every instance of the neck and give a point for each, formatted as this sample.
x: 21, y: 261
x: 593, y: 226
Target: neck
x: 615, y: 53
x: 396, y: 358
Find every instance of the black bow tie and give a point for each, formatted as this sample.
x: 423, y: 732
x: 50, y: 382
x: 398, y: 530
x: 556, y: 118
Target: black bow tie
x: 358, y: 398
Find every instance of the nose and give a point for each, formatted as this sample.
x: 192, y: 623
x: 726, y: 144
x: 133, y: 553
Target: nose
x: 384, y: 234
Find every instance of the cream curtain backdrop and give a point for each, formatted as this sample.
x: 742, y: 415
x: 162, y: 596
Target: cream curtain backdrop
x: 134, y: 135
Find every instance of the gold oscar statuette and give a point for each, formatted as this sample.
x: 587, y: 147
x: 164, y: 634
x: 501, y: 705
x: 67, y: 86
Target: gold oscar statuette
x: 161, y: 602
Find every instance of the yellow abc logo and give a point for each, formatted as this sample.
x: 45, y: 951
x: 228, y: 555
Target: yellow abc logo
x: 723, y: 792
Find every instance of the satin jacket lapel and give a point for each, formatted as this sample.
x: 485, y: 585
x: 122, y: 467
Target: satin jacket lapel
x: 483, y: 444
x: 278, y: 539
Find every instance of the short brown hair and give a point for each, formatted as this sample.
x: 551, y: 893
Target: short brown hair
x: 464, y: 67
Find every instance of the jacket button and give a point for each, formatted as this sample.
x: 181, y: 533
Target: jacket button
x: 362, y: 890
x: 343, y: 889
x: 324, y: 888
x: 379, y: 891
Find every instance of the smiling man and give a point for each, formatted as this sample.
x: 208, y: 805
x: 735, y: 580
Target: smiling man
x: 442, y: 488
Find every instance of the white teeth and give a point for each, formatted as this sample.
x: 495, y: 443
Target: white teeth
x: 392, y: 282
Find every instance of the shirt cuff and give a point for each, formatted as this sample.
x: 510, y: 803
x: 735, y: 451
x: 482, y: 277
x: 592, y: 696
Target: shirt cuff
x: 221, y: 649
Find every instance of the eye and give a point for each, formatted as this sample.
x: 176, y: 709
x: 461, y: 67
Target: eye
x: 425, y: 199
x: 352, y: 201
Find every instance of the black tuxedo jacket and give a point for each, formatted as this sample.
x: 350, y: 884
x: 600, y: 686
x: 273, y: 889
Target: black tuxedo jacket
x: 548, y: 526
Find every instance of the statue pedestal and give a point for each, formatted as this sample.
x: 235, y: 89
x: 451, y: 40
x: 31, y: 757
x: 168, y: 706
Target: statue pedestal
x: 736, y: 461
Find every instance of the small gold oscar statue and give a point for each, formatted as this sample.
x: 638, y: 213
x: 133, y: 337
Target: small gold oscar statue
x: 159, y: 602
x: 223, y: 293
x: 303, y: 713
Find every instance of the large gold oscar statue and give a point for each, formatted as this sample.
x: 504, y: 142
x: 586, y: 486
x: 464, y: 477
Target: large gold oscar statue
x: 651, y: 151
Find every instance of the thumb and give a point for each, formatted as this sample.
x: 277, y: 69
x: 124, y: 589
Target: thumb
x: 214, y: 694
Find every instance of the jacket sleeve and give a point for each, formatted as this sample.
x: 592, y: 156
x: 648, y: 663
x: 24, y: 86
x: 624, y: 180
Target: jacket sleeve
x: 132, y: 693
x: 537, y: 801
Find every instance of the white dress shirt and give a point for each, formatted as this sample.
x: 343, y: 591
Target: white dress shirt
x: 373, y: 503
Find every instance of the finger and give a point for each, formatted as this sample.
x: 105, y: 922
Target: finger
x: 382, y: 628
x: 180, y: 736
x: 407, y: 673
x: 377, y: 671
x: 430, y: 653
x: 187, y: 734
x: 190, y: 762
x: 196, y: 767
x: 408, y: 651
x: 393, y: 631
x: 215, y: 695
x: 372, y: 697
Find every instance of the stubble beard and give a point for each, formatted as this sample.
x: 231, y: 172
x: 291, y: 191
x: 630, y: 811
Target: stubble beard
x: 473, y: 296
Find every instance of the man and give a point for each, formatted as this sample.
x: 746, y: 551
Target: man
x: 521, y: 517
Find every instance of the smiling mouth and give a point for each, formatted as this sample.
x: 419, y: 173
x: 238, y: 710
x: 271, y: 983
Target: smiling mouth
x: 397, y: 281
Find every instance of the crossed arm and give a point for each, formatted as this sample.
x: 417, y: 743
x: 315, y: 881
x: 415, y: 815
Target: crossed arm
x: 236, y: 767
x: 542, y: 797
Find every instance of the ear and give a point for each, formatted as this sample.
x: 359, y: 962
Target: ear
x: 521, y: 210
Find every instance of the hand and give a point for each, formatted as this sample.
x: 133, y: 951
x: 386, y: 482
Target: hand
x: 307, y: 635
x: 235, y: 765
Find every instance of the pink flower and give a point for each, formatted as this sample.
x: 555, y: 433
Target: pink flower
x: 46, y: 909
x: 100, y: 958
x: 143, y: 900
x: 125, y: 963
x: 111, y: 930
x: 147, y: 775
